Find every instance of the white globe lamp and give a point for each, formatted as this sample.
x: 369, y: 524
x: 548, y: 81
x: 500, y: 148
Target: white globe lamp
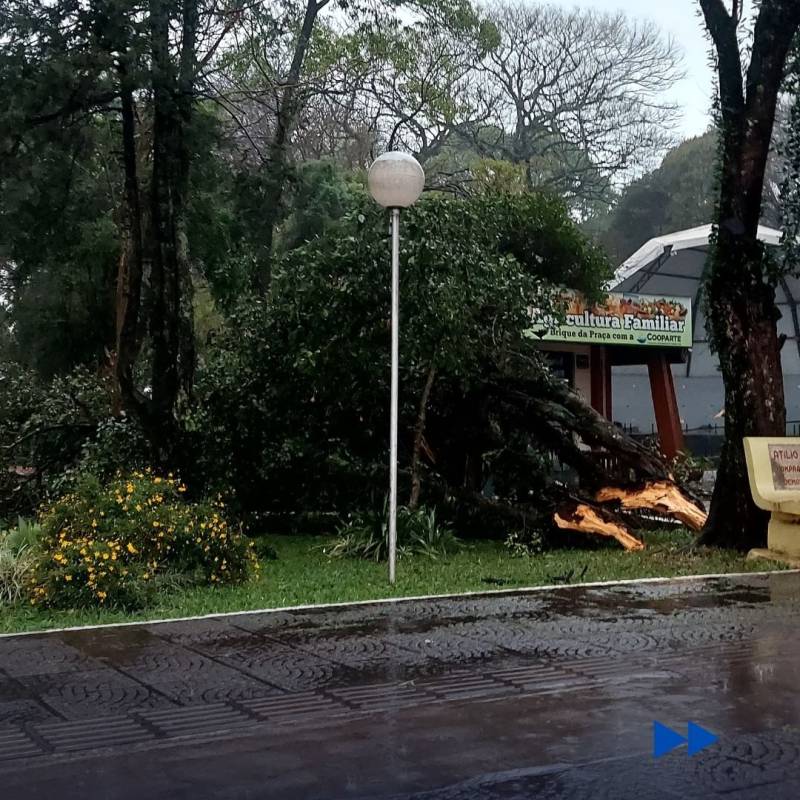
x: 395, y: 180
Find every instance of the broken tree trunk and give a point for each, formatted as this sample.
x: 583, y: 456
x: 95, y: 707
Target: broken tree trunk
x: 582, y: 517
x: 524, y: 419
x: 611, y: 466
x: 662, y: 497
x: 571, y: 513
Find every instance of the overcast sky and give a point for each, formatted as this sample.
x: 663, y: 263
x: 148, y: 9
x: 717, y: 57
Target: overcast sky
x: 678, y: 18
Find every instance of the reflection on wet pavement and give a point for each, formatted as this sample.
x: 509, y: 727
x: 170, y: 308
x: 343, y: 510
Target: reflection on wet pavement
x: 518, y: 695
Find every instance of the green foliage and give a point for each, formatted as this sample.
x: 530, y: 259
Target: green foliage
x: 114, y: 444
x: 54, y: 430
x: 366, y: 535
x: 317, y: 351
x: 16, y: 568
x: 525, y: 542
x: 18, y: 554
x: 679, y: 194
x: 497, y: 176
x: 682, y: 193
x: 60, y: 244
x: 688, y: 469
x: 114, y: 543
x: 46, y: 428
x: 321, y: 194
x: 26, y: 534
x: 220, y: 236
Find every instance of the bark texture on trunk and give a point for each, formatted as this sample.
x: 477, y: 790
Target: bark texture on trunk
x: 131, y: 261
x: 419, y: 437
x: 740, y: 292
x: 171, y: 327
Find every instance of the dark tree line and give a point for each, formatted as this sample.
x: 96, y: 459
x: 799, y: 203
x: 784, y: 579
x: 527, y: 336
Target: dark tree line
x: 155, y: 169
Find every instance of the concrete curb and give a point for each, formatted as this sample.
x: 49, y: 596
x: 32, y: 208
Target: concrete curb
x: 411, y: 599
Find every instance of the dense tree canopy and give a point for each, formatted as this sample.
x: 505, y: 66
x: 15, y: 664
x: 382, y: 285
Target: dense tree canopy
x: 471, y: 272
x: 681, y: 193
x: 677, y: 195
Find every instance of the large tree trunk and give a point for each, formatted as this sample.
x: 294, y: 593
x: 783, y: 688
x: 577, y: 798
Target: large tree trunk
x: 131, y: 268
x: 745, y: 331
x: 171, y: 328
x: 741, y: 297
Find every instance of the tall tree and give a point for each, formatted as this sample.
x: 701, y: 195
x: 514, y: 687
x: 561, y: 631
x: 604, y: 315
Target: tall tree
x: 740, y: 284
x: 304, y: 63
x: 577, y: 97
x: 677, y: 195
x: 135, y: 68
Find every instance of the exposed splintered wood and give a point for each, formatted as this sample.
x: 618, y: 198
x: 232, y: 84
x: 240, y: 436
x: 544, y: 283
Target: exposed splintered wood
x: 577, y: 516
x: 662, y: 497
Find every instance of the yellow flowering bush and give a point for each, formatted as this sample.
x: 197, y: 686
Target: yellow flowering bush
x: 110, y: 544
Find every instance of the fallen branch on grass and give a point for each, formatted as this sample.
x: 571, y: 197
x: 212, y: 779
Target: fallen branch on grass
x: 584, y: 518
x: 661, y: 497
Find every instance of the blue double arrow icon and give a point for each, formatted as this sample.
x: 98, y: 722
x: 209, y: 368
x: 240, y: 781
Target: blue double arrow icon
x: 666, y: 740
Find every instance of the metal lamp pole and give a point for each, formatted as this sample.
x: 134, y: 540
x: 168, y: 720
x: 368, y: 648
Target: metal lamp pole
x: 395, y: 181
x: 393, y: 414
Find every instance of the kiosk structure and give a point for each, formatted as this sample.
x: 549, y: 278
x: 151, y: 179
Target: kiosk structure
x: 628, y: 329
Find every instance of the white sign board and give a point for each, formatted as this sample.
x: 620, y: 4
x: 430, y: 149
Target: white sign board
x: 785, y: 462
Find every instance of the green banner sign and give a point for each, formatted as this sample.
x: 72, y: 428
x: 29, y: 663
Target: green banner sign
x: 632, y: 319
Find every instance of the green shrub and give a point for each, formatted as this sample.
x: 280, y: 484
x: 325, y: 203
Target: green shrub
x: 45, y: 428
x: 16, y: 568
x: 365, y: 535
x: 27, y: 534
x: 18, y: 553
x: 114, y: 543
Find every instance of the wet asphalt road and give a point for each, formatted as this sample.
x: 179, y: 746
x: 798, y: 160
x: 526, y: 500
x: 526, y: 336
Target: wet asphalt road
x: 542, y: 695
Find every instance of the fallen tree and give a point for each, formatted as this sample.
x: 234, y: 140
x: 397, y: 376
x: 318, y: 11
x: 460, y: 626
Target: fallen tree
x: 617, y: 478
x: 487, y: 430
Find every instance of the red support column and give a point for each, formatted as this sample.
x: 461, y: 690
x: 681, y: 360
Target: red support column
x: 665, y: 405
x: 600, y: 374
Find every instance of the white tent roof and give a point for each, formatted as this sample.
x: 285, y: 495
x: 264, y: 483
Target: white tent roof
x: 673, y: 266
x: 690, y: 239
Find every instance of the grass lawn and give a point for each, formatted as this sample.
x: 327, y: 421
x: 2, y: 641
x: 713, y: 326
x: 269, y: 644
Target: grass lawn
x: 303, y: 574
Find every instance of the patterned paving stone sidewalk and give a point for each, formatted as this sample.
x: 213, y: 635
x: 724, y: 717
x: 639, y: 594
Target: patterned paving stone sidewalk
x: 569, y: 680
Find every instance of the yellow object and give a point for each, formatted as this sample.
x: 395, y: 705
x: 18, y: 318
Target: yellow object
x: 773, y: 467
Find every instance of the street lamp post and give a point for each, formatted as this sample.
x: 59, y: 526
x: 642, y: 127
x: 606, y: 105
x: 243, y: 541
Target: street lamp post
x: 395, y: 181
